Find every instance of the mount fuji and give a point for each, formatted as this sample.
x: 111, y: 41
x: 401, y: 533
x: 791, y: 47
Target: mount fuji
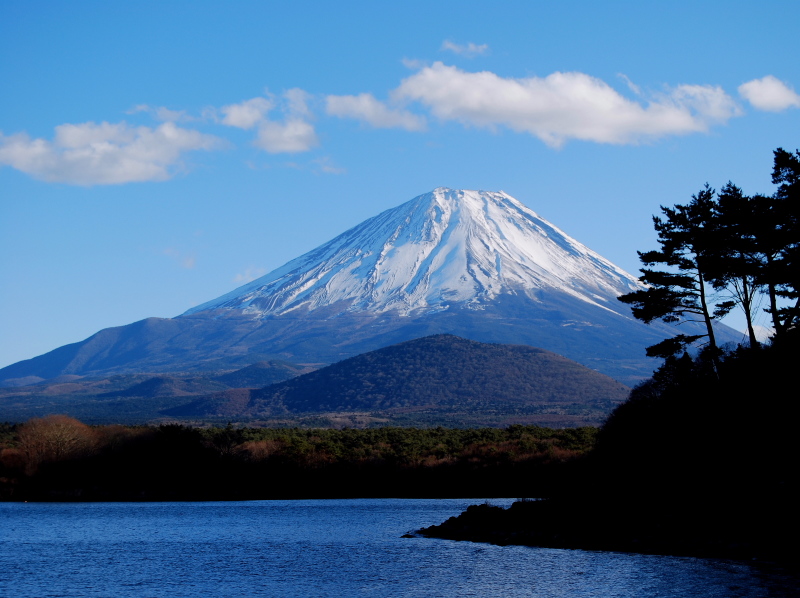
x: 444, y: 250
x: 475, y: 264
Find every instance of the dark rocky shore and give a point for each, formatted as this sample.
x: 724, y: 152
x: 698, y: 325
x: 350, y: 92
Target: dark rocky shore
x: 702, y: 460
x: 685, y: 530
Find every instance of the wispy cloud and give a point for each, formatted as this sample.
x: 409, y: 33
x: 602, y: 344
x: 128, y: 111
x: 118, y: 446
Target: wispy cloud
x: 414, y: 64
x: 293, y: 134
x: 289, y: 137
x: 631, y: 85
x: 564, y: 106
x: 162, y: 113
x: 187, y: 261
x: 247, y: 114
x: 250, y: 274
x: 327, y: 166
x: 367, y: 109
x: 556, y: 108
x: 469, y: 50
x: 296, y: 101
x: 103, y: 154
x: 769, y: 93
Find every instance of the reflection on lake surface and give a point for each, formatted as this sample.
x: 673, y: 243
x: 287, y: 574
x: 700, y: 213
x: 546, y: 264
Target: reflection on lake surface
x: 323, y: 548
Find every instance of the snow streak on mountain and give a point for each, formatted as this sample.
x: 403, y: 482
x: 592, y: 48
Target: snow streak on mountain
x: 442, y: 249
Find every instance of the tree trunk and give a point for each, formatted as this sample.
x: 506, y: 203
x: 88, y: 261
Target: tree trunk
x: 712, y: 340
x: 773, y: 301
x: 747, y: 306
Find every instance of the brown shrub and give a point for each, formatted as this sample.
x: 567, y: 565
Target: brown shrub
x: 259, y: 450
x: 54, y: 438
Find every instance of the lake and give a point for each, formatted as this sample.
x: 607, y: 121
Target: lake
x: 323, y: 548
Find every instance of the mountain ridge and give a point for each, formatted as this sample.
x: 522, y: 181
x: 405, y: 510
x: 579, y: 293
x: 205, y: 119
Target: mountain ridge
x: 439, y: 376
x: 475, y: 264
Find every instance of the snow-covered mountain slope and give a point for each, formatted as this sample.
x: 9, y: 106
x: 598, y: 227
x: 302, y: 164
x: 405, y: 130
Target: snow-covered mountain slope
x: 441, y: 249
x: 475, y: 264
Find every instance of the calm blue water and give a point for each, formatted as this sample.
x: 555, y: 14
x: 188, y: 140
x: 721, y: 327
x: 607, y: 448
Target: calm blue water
x: 321, y: 548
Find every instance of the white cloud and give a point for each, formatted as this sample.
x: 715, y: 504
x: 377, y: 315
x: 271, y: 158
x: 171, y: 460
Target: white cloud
x: 769, y: 93
x: 289, y: 137
x: 161, y: 113
x: 297, y: 103
x: 292, y: 135
x: 166, y: 115
x: 103, y: 154
x: 366, y: 108
x: 468, y: 50
x: 564, y: 106
x: 706, y: 104
x: 247, y: 114
x: 413, y: 64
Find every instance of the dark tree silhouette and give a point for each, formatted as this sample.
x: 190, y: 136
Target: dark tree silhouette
x: 738, y: 262
x: 680, y: 291
x: 719, y: 252
x: 785, y: 271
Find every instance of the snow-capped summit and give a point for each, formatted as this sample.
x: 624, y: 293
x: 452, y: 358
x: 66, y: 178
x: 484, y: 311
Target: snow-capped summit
x: 474, y: 264
x: 442, y: 249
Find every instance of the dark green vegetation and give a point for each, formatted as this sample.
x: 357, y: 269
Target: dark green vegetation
x: 60, y: 458
x: 438, y: 380
x: 719, y: 252
x: 441, y: 377
x: 703, y: 458
x: 696, y: 462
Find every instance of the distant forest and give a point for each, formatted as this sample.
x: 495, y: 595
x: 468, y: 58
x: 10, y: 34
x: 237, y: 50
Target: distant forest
x: 56, y: 458
x: 431, y: 381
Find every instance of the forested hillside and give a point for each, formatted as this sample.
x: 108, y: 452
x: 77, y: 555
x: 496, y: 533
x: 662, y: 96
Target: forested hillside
x: 436, y: 379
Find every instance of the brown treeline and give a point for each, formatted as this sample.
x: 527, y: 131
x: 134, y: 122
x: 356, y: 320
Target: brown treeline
x: 58, y: 458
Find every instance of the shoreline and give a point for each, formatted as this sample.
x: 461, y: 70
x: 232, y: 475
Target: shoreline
x: 566, y: 524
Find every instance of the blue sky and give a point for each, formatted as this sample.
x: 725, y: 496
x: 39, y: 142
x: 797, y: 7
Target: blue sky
x: 155, y: 155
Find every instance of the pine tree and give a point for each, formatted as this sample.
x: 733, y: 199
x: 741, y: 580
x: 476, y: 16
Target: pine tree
x: 720, y: 252
x: 737, y: 263
x: 784, y: 273
x: 680, y: 292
